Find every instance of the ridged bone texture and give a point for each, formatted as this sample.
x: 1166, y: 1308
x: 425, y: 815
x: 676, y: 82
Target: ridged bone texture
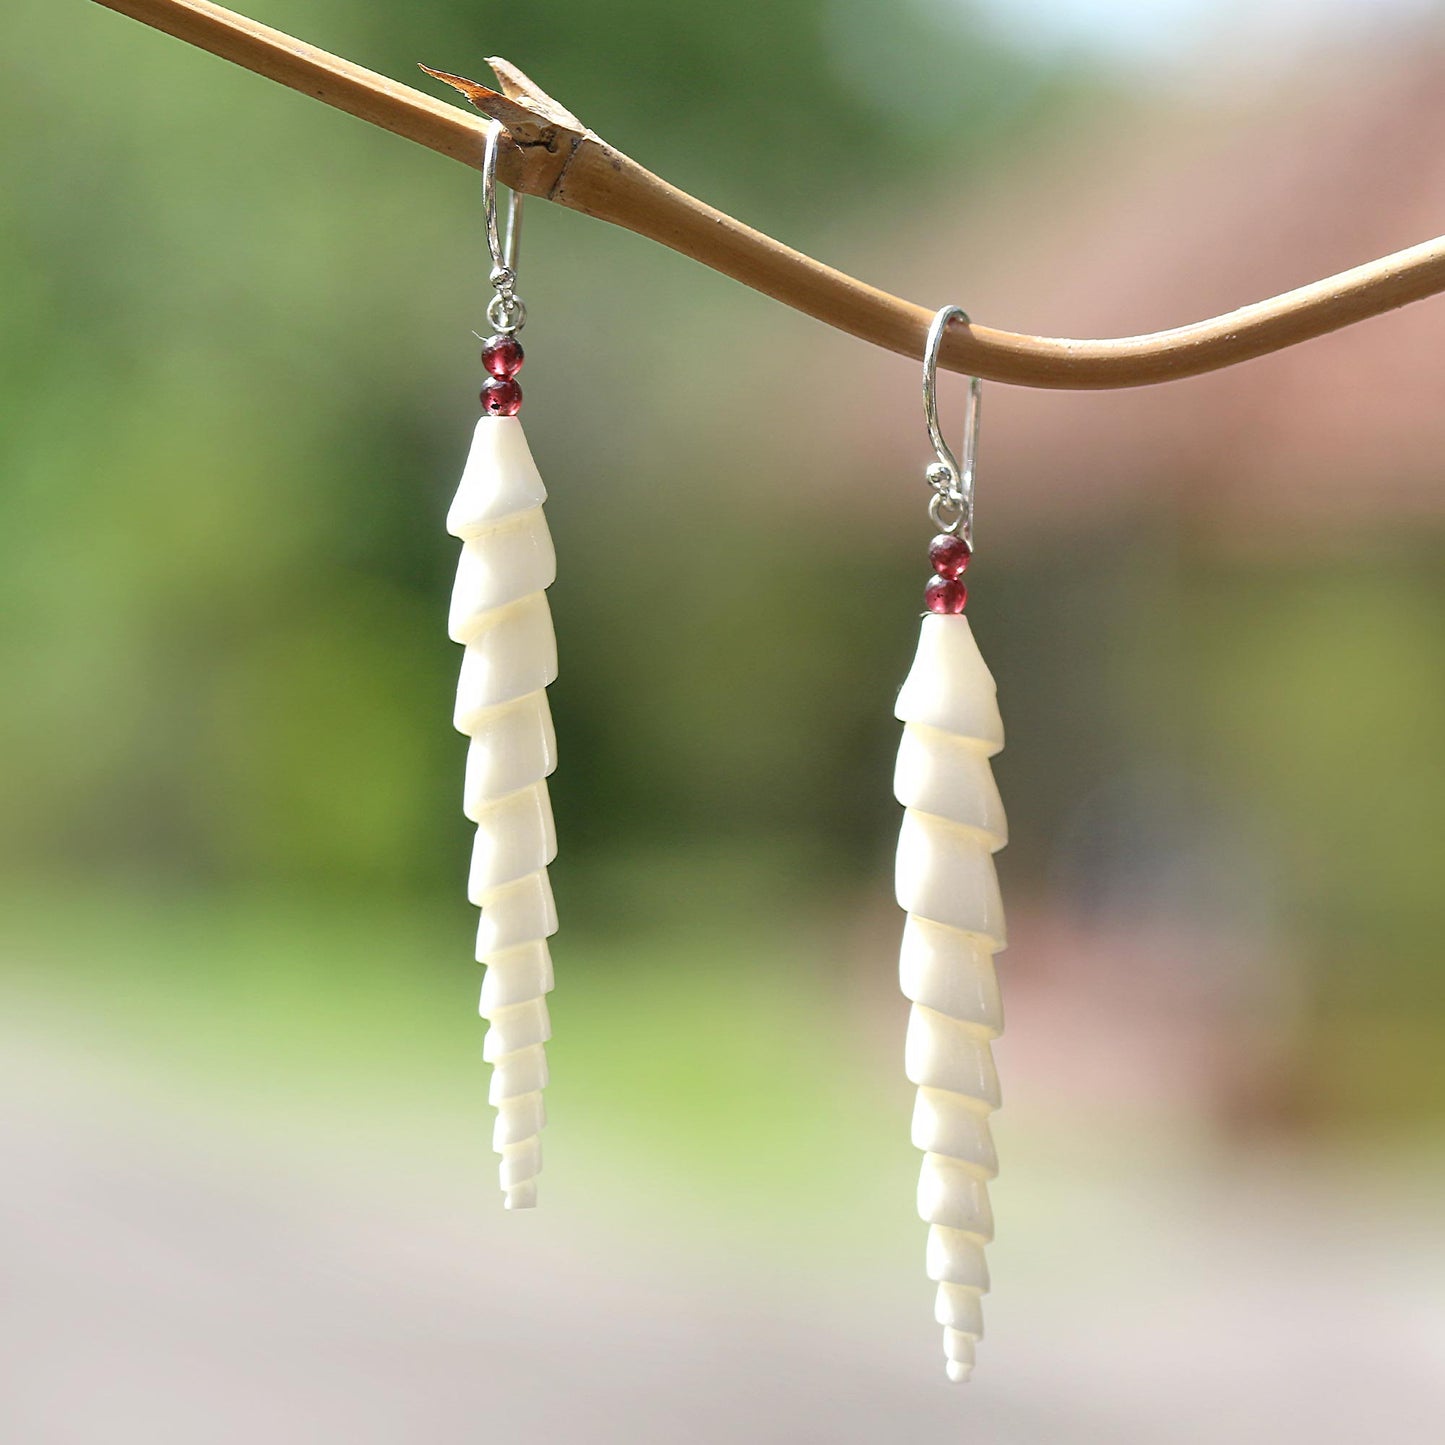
x: 499, y: 613
x: 952, y: 826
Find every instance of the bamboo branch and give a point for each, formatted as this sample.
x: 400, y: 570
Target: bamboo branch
x: 554, y: 156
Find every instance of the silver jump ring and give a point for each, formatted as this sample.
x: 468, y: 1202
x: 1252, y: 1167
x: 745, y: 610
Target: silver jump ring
x: 506, y: 314
x: 945, y: 514
x: 951, y: 479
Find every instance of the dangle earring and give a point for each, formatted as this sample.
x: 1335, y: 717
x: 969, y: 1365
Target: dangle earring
x: 499, y: 613
x: 945, y: 881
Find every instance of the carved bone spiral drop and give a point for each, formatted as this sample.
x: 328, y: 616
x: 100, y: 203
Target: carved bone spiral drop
x: 499, y: 613
x: 952, y: 825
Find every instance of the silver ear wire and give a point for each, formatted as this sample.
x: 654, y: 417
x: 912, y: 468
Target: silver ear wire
x: 951, y: 506
x: 506, y: 312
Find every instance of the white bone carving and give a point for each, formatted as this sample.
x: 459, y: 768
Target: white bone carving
x: 499, y: 613
x: 952, y: 825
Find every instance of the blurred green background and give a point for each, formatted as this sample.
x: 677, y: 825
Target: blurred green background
x: 237, y: 377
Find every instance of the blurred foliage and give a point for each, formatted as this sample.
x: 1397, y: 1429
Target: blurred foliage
x: 1329, y: 712
x: 236, y: 369
x: 237, y: 375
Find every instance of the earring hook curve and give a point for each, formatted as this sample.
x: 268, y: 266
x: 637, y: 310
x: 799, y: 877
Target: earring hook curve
x: 951, y: 506
x: 506, y: 311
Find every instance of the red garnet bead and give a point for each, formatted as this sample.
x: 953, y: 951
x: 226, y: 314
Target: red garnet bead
x: 949, y: 554
x: 503, y: 356
x: 501, y: 396
x: 945, y: 595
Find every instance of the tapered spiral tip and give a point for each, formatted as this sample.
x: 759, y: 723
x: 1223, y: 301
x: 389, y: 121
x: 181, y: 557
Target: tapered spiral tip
x: 499, y: 614
x: 958, y: 1372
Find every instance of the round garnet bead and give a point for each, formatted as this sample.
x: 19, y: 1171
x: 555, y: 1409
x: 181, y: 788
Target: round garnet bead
x: 949, y: 554
x: 501, y: 396
x: 503, y: 356
x: 945, y: 595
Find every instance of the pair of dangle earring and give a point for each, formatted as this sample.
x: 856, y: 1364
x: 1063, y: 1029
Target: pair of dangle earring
x: 953, y: 821
x: 945, y: 881
x: 499, y: 613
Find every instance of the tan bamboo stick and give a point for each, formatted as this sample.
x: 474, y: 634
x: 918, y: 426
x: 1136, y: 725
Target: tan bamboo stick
x: 554, y: 156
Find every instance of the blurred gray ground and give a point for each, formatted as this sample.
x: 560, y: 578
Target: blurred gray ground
x: 166, y: 1282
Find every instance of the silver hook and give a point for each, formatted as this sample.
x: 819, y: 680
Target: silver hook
x: 506, y: 311
x: 951, y: 506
